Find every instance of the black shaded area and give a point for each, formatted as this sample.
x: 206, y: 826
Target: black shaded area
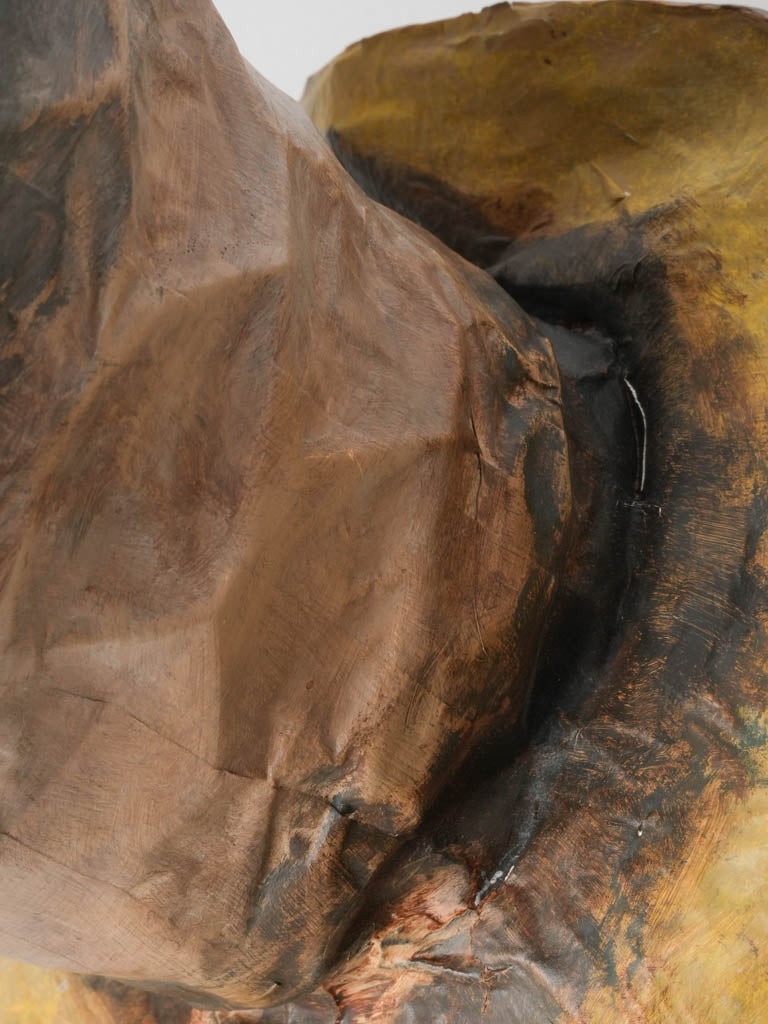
x: 52, y: 37
x: 543, y: 449
x: 448, y: 214
x: 10, y: 368
x: 585, y: 620
x: 61, y: 159
x: 162, y: 1003
x: 31, y: 240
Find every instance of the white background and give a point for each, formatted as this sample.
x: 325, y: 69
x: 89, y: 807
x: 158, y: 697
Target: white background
x: 288, y: 40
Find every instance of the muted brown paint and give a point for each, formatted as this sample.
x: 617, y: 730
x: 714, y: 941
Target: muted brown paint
x: 267, y: 531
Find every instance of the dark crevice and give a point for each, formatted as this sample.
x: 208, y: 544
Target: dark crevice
x: 585, y: 321
x: 583, y: 290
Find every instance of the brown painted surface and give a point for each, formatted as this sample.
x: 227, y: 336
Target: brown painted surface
x: 272, y: 563
x: 377, y: 635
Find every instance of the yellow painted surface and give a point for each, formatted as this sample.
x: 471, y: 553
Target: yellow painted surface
x: 31, y: 995
x: 705, y: 959
x: 34, y: 995
x: 621, y: 121
x: 600, y: 128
